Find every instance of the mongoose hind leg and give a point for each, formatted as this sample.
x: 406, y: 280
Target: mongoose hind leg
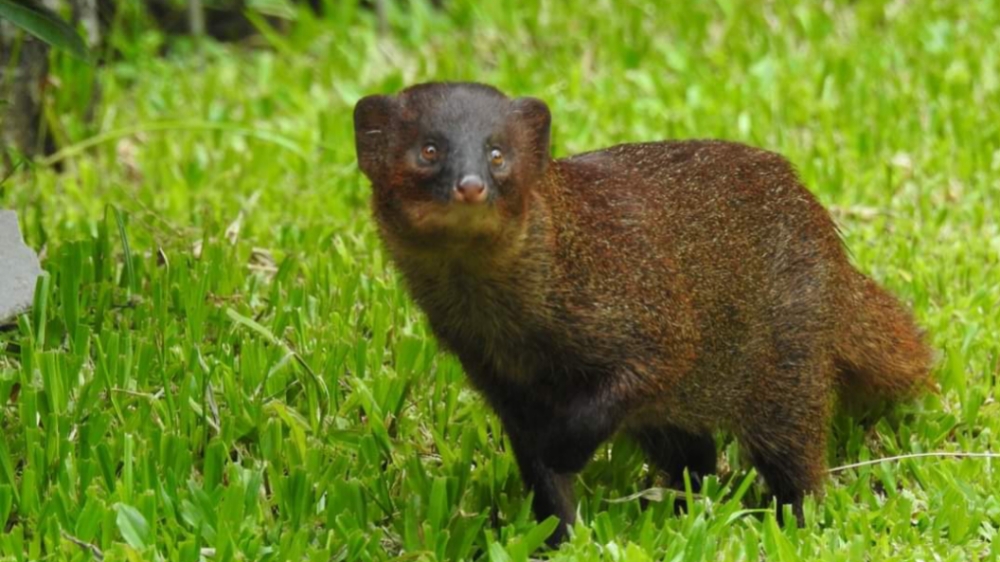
x: 785, y: 434
x: 789, y: 477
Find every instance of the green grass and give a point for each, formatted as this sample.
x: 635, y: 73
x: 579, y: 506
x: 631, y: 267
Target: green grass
x: 222, y: 358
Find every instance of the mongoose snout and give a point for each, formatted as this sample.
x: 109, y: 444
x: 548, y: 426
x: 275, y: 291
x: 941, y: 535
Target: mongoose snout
x: 471, y: 189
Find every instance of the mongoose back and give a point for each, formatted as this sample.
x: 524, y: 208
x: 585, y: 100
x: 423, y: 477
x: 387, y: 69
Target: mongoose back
x: 664, y: 289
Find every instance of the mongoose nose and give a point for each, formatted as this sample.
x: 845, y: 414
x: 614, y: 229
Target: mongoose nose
x: 470, y: 189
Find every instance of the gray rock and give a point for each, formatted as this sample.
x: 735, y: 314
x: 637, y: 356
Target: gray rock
x: 19, y: 269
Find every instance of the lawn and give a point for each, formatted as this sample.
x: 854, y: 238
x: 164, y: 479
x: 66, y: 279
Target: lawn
x: 221, y: 362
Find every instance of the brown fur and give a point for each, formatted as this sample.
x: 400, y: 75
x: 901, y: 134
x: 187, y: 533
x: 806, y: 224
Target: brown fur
x: 673, y: 287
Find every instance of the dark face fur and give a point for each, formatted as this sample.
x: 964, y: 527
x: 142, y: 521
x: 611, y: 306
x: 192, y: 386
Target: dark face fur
x: 451, y: 162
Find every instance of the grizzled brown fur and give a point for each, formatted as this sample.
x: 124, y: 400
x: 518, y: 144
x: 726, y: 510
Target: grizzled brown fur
x: 665, y: 289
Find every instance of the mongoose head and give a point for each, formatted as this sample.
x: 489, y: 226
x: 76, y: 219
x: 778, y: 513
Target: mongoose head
x: 451, y: 162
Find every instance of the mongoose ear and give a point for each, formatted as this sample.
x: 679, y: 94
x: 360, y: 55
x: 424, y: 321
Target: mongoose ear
x: 534, y: 118
x: 375, y: 119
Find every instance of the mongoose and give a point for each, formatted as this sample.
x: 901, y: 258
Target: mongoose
x: 664, y: 289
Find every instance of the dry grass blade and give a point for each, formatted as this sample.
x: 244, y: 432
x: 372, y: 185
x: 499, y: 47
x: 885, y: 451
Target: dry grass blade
x: 897, y: 458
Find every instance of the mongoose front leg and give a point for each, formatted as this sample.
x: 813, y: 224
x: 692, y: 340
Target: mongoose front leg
x: 575, y: 434
x: 672, y: 449
x: 525, y: 420
x: 553, y: 492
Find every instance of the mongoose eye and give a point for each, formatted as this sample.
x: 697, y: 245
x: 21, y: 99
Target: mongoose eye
x: 496, y: 157
x: 429, y: 152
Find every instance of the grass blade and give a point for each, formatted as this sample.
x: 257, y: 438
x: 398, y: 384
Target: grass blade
x: 133, y: 526
x: 172, y: 126
x: 129, y: 268
x: 268, y: 336
x: 45, y: 25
